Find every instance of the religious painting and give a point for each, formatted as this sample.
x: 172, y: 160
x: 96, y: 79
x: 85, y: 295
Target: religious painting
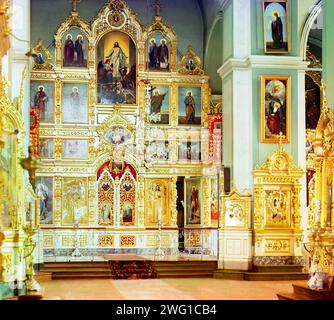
x: 127, y: 199
x: 157, y: 207
x: 275, y: 108
x: 75, y: 149
x: 106, y: 199
x: 157, y: 151
x: 116, y: 69
x: 42, y: 99
x: 159, y: 109
x: 75, y: 103
x: 276, y: 30
x: 75, y: 51
x: 74, y: 202
x: 158, y: 52
x: 190, y: 106
x: 189, y: 151
x: 40, y: 58
x: 46, y: 150
x: 193, y: 201
x: 312, y: 102
x: 116, y: 166
x: 214, y: 206
x: 44, y: 191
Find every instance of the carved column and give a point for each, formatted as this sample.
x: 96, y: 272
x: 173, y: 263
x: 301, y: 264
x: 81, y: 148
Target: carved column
x: 58, y: 53
x: 141, y: 202
x: 173, y: 208
x: 57, y: 200
x: 91, y: 105
x: 206, y: 200
x: 58, y: 97
x: 174, y: 105
x: 92, y: 210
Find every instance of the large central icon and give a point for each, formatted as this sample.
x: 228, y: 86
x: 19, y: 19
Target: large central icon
x: 116, y: 69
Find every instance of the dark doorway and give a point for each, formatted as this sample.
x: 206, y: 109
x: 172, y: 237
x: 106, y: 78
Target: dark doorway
x: 180, y: 211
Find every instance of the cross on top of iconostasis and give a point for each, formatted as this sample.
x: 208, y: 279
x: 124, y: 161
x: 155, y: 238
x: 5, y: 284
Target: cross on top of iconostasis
x: 75, y: 5
x: 157, y: 7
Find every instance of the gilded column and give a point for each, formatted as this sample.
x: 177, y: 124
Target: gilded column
x: 141, y: 202
x: 58, y: 53
x: 58, y: 103
x: 92, y: 212
x: 57, y: 200
x: 174, y: 105
x: 206, y: 104
x: 91, y: 100
x: 173, y: 208
x: 91, y: 54
x: 206, y: 199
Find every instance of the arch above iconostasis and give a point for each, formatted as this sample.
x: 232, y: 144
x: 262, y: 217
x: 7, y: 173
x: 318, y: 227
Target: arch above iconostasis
x: 83, y: 29
x: 160, y: 46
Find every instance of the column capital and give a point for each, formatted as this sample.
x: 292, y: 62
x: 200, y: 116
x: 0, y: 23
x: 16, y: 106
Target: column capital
x: 261, y: 61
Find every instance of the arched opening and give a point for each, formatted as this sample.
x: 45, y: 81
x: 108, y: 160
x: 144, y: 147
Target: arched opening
x: 214, y: 55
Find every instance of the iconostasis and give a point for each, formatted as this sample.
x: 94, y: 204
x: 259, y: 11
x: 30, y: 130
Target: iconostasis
x: 116, y: 121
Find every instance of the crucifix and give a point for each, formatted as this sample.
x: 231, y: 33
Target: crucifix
x: 74, y: 5
x: 157, y: 7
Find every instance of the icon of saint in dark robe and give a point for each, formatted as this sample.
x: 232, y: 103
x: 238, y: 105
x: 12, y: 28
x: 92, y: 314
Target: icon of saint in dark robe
x: 156, y: 101
x: 189, y: 102
x: 127, y: 213
x: 69, y: 50
x: 194, y: 206
x: 40, y: 102
x: 79, y: 51
x: 163, y: 54
x: 153, y: 55
x: 277, y: 31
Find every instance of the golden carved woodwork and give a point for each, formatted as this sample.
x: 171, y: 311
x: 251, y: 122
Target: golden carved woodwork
x: 127, y: 241
x: 106, y: 199
x: 277, y: 205
x: 4, y: 27
x: 39, y: 50
x: 106, y: 241
x: 236, y: 210
x: 190, y: 63
x: 127, y: 199
x: 321, y: 208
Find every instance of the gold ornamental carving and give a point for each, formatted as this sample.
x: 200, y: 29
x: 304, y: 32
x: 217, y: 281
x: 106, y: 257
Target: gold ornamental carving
x: 277, y: 205
x: 128, y: 241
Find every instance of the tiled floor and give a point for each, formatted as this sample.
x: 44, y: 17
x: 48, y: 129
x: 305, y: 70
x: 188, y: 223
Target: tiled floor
x: 165, y: 289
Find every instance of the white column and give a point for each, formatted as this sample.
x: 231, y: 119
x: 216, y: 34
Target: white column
x: 237, y: 100
x: 235, y: 247
x: 17, y: 60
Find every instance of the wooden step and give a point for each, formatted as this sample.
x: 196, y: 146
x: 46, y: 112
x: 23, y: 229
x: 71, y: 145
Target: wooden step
x: 229, y: 274
x: 306, y: 292
x: 286, y: 296
x: 43, y: 276
x: 268, y: 276
x: 86, y: 275
x: 259, y: 276
x: 278, y: 268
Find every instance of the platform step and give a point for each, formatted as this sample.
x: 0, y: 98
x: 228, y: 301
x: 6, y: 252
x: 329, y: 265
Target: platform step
x: 278, y: 268
x: 259, y: 276
x: 286, y: 296
x: 267, y: 276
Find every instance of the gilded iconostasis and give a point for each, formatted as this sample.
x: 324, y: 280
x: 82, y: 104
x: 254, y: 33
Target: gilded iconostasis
x: 118, y: 118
